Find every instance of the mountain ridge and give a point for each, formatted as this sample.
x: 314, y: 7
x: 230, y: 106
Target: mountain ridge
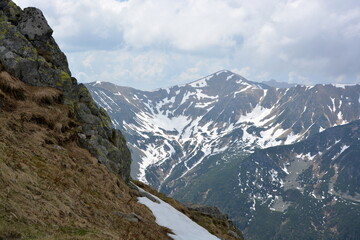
x: 250, y: 102
x: 316, y: 179
x: 218, y: 141
x: 276, y: 84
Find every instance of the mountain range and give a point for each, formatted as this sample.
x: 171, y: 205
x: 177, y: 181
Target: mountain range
x: 281, y: 160
x: 263, y: 154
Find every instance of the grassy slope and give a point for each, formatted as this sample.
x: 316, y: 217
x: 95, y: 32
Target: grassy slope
x: 49, y: 187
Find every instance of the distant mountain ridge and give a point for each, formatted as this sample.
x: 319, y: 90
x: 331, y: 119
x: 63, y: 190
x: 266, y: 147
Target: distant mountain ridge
x: 276, y: 84
x: 280, y: 161
x: 170, y: 131
x: 306, y: 190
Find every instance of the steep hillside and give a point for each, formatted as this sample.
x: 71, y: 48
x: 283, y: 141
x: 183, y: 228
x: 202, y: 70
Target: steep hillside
x: 64, y: 172
x: 50, y: 187
x: 30, y: 53
x: 171, y: 131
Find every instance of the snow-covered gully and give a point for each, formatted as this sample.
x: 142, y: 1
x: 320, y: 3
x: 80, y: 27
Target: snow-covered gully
x: 181, y: 225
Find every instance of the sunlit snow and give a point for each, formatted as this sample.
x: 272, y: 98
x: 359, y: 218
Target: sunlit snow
x: 181, y: 225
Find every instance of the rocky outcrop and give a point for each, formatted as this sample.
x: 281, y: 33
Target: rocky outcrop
x: 209, y: 210
x: 33, y: 25
x: 29, y: 52
x: 215, y: 212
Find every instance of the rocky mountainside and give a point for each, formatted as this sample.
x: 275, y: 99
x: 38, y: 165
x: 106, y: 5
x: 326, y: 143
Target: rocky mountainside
x: 64, y: 171
x: 274, y: 159
x: 29, y: 52
x: 306, y: 190
x: 171, y: 131
x: 50, y: 188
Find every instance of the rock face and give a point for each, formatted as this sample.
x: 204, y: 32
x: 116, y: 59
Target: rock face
x: 29, y: 52
x: 214, y: 212
x: 33, y: 25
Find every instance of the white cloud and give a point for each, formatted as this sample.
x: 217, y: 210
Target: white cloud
x: 83, y: 76
x: 244, y: 71
x: 340, y: 79
x: 186, y: 25
x: 196, y: 68
x: 295, y: 77
x: 121, y: 66
x: 189, y: 75
x: 157, y: 43
x: 142, y: 69
x: 88, y: 60
x: 264, y: 76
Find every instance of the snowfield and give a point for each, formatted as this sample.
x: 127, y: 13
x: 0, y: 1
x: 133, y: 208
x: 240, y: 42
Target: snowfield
x: 181, y: 225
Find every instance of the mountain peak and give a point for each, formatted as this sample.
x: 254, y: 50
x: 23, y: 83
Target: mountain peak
x: 225, y: 79
x: 202, y: 82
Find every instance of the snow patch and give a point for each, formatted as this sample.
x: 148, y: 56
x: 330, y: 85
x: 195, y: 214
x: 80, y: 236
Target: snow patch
x: 343, y: 148
x: 230, y: 77
x: 256, y: 116
x: 291, y: 138
x: 181, y: 225
x: 307, y: 156
x: 337, y: 85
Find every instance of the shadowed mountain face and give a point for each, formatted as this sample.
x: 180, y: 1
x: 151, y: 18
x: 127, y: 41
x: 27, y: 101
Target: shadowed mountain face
x: 170, y: 131
x: 306, y: 190
x: 201, y: 142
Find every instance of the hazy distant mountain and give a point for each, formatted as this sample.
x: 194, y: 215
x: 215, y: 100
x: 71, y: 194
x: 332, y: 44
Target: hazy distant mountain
x: 206, y: 132
x: 276, y: 84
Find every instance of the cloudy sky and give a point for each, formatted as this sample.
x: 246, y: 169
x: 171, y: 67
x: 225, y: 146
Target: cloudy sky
x: 149, y: 44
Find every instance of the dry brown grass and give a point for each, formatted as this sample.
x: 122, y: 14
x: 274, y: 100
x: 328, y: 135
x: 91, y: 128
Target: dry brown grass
x: 49, y: 187
x: 48, y: 96
x: 11, y: 86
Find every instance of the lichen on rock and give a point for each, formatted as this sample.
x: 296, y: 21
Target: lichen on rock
x: 33, y: 25
x: 29, y: 52
x: 9, y: 11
